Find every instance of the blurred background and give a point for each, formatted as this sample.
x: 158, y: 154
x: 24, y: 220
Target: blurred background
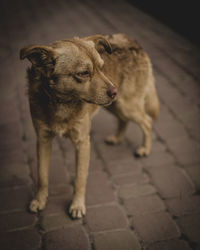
x: 181, y: 16
x: 150, y: 203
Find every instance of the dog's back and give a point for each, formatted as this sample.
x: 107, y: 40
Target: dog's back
x: 130, y: 68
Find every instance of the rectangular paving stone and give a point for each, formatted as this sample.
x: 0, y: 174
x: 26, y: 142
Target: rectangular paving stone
x: 58, y: 173
x: 158, y: 147
x: 190, y: 226
x: 171, y: 181
x: 117, y: 240
x: 193, y: 123
x: 14, y: 181
x: 56, y: 205
x: 57, y: 221
x: 96, y: 164
x: 135, y: 191
x: 99, y: 189
x: 60, y: 190
x: 190, y: 117
x: 143, y: 205
x: 184, y: 81
x: 172, y: 129
x: 11, y: 147
x: 194, y: 172
x: 15, y: 199
x: 24, y: 239
x: 132, y: 178
x: 189, y: 109
x: 68, y: 149
x: 12, y: 157
x: 183, y: 145
x: 168, y: 93
x: 112, y: 153
x: 188, y: 158
x: 155, y: 227
x: 14, y: 175
x: 134, y: 136
x: 10, y: 129
x: 99, y: 129
x: 124, y: 166
x: 156, y: 159
x: 165, y: 115
x: 186, y: 205
x: 8, y: 94
x: 170, y: 245
x: 72, y: 238
x: 194, y: 130
x: 106, y: 218
x: 183, y: 106
x: 13, y: 221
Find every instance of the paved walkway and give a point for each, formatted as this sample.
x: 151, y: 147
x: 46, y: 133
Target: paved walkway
x: 151, y: 203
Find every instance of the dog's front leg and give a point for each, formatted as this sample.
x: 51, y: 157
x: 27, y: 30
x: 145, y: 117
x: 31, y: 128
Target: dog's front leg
x: 77, y: 208
x: 43, y: 161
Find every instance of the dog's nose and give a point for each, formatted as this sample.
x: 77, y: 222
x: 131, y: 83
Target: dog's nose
x: 112, y: 92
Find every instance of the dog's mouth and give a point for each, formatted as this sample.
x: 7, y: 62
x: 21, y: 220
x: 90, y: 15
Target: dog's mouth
x: 99, y: 103
x: 107, y: 104
x: 66, y: 96
x: 72, y: 95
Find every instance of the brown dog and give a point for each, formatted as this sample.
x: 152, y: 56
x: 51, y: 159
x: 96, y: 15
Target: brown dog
x: 67, y: 80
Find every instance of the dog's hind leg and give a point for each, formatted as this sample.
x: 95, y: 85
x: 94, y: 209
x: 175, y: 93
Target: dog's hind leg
x: 43, y: 156
x: 118, y: 137
x: 140, y: 117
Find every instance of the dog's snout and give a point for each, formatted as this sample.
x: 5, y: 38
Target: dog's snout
x: 112, y: 92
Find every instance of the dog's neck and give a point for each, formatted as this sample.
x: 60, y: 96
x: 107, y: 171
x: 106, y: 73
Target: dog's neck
x: 55, y: 98
x: 63, y: 108
x: 58, y: 98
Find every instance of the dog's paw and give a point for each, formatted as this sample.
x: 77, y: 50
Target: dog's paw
x: 77, y: 209
x: 36, y: 206
x: 143, y: 151
x: 111, y: 140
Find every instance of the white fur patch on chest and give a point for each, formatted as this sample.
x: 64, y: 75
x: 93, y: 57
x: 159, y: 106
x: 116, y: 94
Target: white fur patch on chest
x: 60, y: 129
x: 61, y: 132
x: 61, y: 126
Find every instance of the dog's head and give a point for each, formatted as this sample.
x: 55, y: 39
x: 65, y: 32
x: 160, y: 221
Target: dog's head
x: 74, y: 67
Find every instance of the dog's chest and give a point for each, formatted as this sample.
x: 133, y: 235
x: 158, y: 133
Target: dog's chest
x: 60, y: 123
x: 66, y: 120
x: 60, y: 128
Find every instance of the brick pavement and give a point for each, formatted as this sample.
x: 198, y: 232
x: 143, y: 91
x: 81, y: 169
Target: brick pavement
x: 151, y: 203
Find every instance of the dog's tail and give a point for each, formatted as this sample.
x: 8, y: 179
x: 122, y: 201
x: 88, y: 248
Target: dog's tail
x: 152, y: 102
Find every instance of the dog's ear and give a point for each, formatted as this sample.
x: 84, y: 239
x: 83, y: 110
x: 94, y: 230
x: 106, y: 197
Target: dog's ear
x: 38, y: 55
x: 101, y: 43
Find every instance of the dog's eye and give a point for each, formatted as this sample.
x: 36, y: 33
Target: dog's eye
x: 84, y: 73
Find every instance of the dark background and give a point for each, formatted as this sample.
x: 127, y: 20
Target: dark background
x: 181, y: 16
